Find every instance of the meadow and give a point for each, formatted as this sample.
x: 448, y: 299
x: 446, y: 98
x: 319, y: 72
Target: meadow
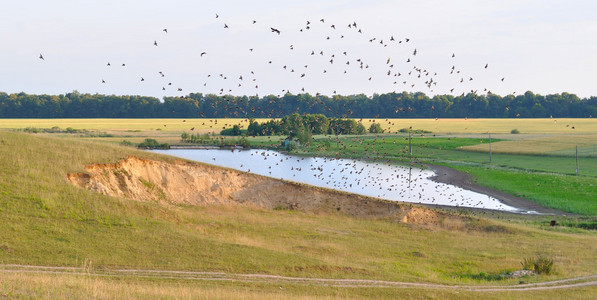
x: 541, y: 157
x: 47, y: 221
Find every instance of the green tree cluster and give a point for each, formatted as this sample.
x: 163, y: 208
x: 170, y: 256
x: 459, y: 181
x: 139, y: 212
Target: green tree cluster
x: 375, y: 128
x: 389, y: 105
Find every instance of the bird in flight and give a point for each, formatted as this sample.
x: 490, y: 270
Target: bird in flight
x: 203, y: 53
x: 165, y: 30
x: 41, y: 57
x: 275, y: 30
x: 155, y: 43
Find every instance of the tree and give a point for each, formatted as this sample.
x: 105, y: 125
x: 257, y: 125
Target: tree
x: 375, y: 128
x: 297, y: 130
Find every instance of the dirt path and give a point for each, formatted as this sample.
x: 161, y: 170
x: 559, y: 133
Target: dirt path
x: 463, y: 180
x: 276, y: 279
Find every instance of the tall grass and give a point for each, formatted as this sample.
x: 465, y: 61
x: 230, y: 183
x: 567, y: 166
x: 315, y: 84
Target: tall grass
x: 47, y: 221
x: 53, y: 286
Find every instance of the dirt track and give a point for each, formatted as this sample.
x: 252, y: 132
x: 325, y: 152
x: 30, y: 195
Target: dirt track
x: 276, y: 279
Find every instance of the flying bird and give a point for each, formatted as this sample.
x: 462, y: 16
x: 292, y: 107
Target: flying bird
x: 275, y: 30
x: 41, y: 57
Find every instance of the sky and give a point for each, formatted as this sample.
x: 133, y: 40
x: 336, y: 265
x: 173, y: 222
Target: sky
x: 544, y: 46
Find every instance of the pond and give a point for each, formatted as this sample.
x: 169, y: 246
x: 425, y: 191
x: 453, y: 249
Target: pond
x: 385, y: 181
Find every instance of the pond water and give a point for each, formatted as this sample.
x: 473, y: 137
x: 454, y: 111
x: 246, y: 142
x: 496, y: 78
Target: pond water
x: 390, y: 182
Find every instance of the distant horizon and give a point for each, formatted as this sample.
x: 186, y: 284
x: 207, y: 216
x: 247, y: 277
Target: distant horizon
x: 302, y: 93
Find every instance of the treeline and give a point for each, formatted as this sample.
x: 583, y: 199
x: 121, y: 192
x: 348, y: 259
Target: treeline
x: 390, y: 105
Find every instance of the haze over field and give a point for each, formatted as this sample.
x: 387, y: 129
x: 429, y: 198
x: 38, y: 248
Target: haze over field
x: 542, y: 46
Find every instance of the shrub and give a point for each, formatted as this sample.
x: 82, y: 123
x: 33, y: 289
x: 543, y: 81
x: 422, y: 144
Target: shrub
x: 153, y: 144
x: 234, y: 131
x: 375, y: 128
x: 541, y: 264
x: 514, y: 131
x: 127, y: 143
x: 32, y: 130
x: 292, y: 145
x: 415, y: 131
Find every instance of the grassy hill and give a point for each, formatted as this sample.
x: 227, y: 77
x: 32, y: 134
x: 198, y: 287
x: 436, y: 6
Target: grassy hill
x: 47, y: 221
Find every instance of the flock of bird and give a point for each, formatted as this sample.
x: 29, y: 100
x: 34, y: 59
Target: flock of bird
x: 333, y: 57
x: 376, y: 179
x: 300, y: 62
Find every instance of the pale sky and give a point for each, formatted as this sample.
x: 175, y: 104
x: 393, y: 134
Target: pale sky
x: 544, y: 46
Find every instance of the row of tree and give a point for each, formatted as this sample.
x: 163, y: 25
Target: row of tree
x: 390, y: 105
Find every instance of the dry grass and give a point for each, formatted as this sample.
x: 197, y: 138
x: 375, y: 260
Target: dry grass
x: 504, y: 126
x: 440, y: 126
x: 541, y: 145
x: 65, y: 286
x: 46, y: 221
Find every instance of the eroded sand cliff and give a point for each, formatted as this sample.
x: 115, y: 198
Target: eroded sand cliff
x: 200, y: 184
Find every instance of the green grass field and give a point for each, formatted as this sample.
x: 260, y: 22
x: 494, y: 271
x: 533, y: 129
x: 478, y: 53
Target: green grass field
x: 543, y: 146
x: 546, y: 179
x: 47, y: 221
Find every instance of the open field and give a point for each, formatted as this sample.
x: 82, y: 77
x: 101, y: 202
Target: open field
x: 544, y: 146
x: 40, y: 282
x: 538, y: 136
x: 440, y: 126
x: 547, y: 180
x: 47, y: 221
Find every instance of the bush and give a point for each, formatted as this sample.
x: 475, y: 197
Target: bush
x: 415, y: 131
x: 234, y: 131
x: 127, y: 143
x: 514, y: 131
x: 292, y: 145
x: 153, y: 144
x: 375, y: 128
x: 541, y: 264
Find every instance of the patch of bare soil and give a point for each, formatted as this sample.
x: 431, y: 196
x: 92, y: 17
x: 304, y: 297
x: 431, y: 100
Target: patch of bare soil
x: 201, y: 184
x: 569, y: 283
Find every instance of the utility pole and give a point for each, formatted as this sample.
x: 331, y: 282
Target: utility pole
x: 410, y: 148
x: 576, y: 160
x: 489, y: 147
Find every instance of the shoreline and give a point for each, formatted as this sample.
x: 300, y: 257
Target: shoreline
x: 463, y: 180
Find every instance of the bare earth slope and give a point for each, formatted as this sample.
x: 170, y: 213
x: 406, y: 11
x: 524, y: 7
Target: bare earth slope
x: 201, y: 184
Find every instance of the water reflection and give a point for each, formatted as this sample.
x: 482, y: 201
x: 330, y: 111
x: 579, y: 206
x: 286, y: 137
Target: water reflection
x: 384, y: 181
